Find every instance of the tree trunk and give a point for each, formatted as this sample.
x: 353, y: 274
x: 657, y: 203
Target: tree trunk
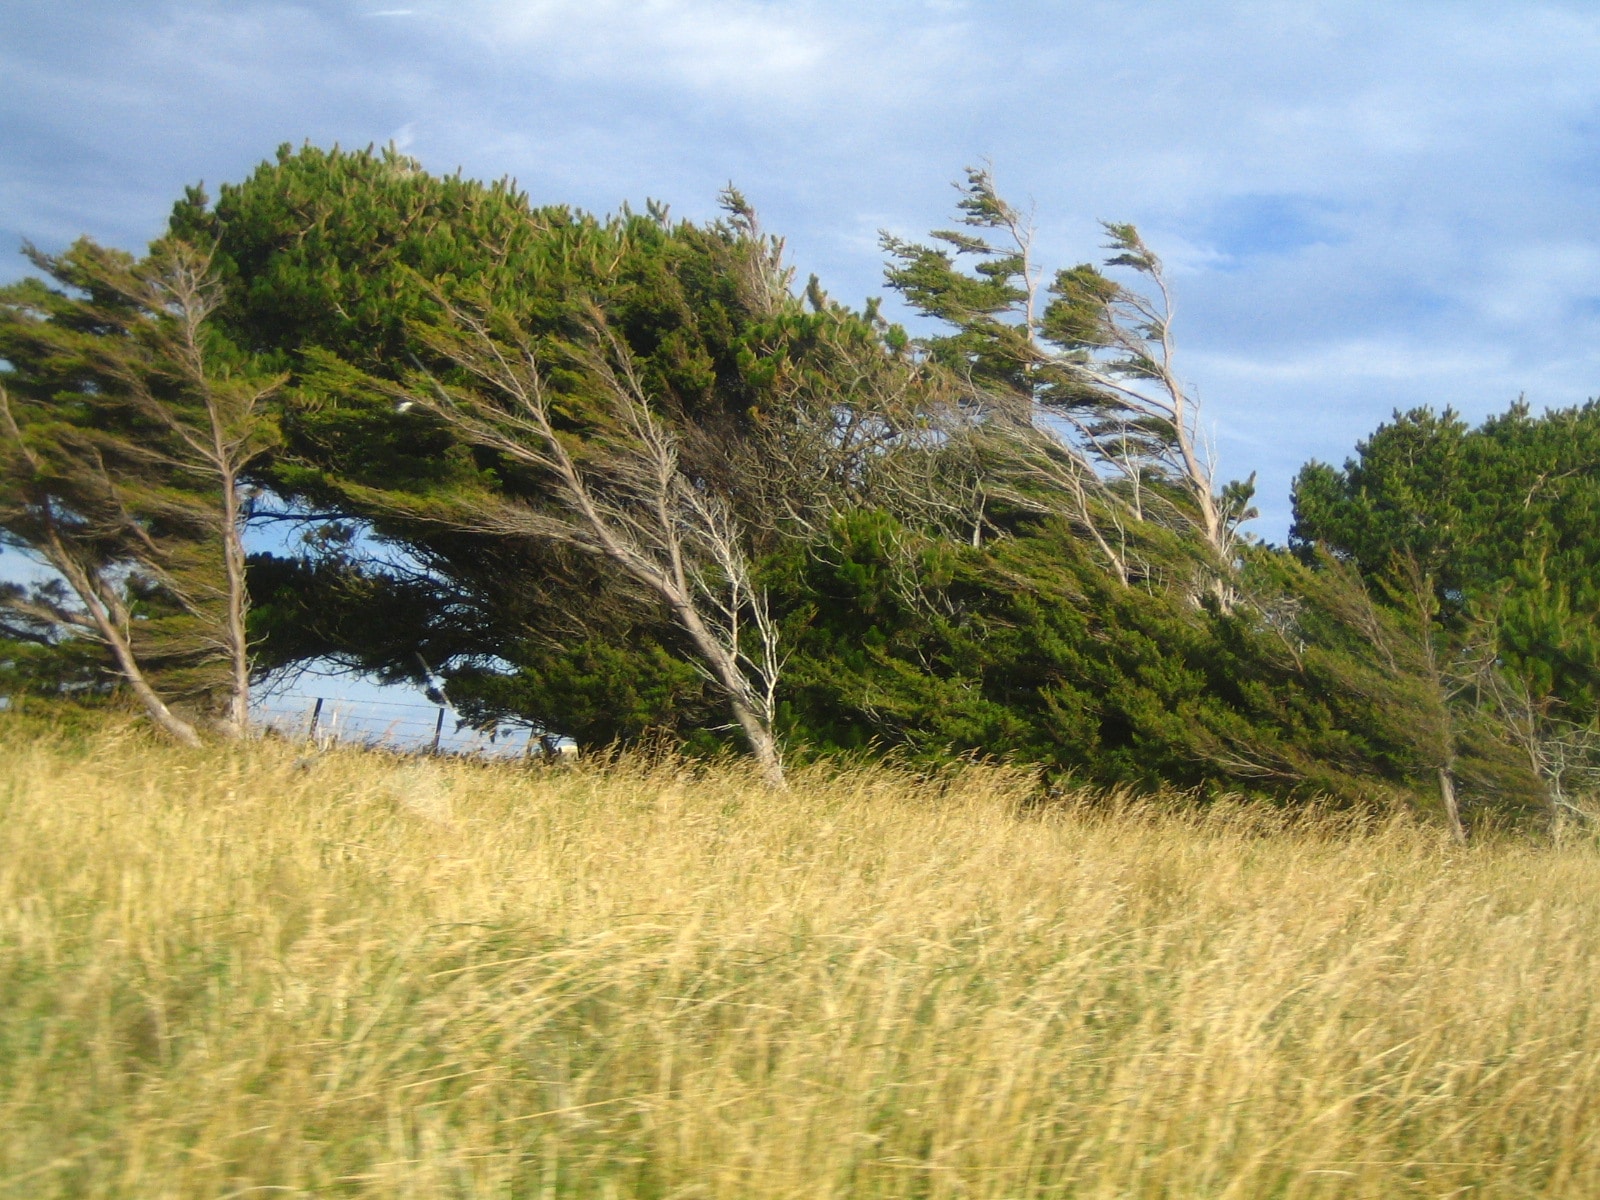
x: 763, y: 746
x: 174, y: 725
x: 106, y: 622
x: 237, y: 637
x: 1452, y: 810
x: 755, y: 726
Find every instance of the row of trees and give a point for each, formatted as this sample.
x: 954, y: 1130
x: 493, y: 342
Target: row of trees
x: 623, y: 482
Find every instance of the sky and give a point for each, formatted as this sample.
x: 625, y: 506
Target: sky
x: 1362, y: 206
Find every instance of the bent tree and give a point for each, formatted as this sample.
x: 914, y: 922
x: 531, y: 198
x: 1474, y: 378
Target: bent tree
x: 126, y: 430
x: 1078, y: 378
x: 1493, y: 533
x: 614, y: 492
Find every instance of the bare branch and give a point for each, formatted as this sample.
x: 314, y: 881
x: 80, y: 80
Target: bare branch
x: 627, y: 503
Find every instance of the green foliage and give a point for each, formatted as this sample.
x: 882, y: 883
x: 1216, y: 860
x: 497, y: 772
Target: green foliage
x: 597, y: 692
x: 1500, y: 527
x: 343, y: 266
x: 1027, y: 649
x: 1504, y: 520
x: 594, y: 677
x: 126, y: 422
x: 1464, y: 503
x: 997, y: 541
x: 989, y: 307
x: 1087, y: 363
x: 35, y: 661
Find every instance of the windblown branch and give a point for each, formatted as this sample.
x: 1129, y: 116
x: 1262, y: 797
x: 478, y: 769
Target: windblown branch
x: 625, y: 500
x: 144, y: 489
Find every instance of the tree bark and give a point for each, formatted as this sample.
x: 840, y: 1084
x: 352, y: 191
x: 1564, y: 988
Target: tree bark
x: 109, y: 625
x: 238, y: 602
x: 753, y: 723
x: 1452, y: 809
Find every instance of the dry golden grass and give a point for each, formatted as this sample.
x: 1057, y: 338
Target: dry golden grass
x: 221, y: 976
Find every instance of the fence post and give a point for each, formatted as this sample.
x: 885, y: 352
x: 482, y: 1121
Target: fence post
x: 316, y: 715
x: 438, y: 728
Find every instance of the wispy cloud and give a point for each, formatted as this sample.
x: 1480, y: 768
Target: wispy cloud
x: 796, y: 58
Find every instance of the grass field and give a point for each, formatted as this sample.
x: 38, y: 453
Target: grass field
x: 223, y: 976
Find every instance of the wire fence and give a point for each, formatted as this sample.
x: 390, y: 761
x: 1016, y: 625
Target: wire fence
x: 401, y: 725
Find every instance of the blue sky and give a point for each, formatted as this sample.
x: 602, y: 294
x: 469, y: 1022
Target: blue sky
x: 1363, y: 206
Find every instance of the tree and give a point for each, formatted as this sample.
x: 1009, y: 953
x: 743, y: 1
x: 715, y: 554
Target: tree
x: 617, y: 494
x: 127, y: 429
x: 1537, y: 669
x: 1399, y: 681
x: 1088, y: 364
x: 1025, y: 648
x: 616, y: 481
x: 338, y: 265
x: 1399, y: 502
x: 615, y: 478
x: 1501, y: 526
x: 1122, y: 392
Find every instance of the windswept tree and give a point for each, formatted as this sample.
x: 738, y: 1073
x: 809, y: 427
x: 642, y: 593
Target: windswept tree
x: 127, y: 428
x: 1079, y: 377
x: 1535, y: 657
x: 615, y: 479
x: 615, y: 491
x: 779, y: 413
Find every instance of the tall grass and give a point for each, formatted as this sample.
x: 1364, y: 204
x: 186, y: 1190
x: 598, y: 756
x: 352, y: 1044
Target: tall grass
x: 224, y: 975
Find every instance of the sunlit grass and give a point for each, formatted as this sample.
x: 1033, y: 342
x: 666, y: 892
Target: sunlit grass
x: 225, y: 975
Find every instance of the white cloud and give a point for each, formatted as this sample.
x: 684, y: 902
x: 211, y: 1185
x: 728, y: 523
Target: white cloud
x: 1538, y: 283
x: 791, y: 60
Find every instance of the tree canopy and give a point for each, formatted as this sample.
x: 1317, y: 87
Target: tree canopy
x: 620, y: 480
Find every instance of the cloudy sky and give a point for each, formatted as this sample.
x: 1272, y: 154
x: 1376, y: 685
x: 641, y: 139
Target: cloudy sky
x: 1363, y: 205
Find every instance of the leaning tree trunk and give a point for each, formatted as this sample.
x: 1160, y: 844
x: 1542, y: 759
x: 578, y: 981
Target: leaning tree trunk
x: 238, y: 600
x: 751, y: 714
x: 104, y: 612
x: 1452, y: 808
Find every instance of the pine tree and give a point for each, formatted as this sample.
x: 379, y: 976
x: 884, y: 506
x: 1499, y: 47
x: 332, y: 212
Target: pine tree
x: 127, y: 428
x: 1079, y: 380
x: 345, y: 268
x: 1500, y: 526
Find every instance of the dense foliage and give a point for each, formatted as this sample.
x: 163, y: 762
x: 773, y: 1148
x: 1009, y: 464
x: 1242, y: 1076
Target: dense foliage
x: 617, y: 480
x: 1493, y: 532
